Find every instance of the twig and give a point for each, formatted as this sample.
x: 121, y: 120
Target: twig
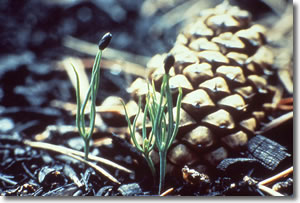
x: 28, y: 171
x: 67, y: 151
x: 276, y: 122
x: 276, y: 177
x: 7, y: 180
x: 262, y: 185
x: 286, y: 104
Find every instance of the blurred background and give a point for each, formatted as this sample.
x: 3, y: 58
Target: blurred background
x: 37, y: 35
x: 142, y: 27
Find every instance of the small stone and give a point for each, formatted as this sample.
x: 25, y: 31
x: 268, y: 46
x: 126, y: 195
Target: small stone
x: 76, y: 143
x: 19, y: 152
x: 6, y: 124
x: 131, y: 189
x: 104, y: 191
x: 44, y: 172
x: 193, y: 177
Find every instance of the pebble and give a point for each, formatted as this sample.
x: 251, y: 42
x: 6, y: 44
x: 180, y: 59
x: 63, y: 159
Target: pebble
x: 6, y: 124
x: 76, y: 143
x: 19, y: 152
x: 104, y: 191
x: 131, y: 189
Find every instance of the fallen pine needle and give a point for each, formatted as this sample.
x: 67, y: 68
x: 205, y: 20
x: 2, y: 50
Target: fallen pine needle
x: 262, y: 185
x: 276, y: 177
x: 98, y: 168
x: 68, y: 151
x: 168, y: 191
x: 269, y: 190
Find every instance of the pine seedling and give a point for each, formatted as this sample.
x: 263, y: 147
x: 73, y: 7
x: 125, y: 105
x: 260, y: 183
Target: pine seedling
x: 86, y: 132
x: 160, y: 111
x: 148, y: 143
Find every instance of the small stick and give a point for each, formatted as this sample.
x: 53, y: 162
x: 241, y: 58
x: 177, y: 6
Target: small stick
x: 276, y: 177
x: 67, y: 151
x: 285, y: 107
x: 288, y: 100
x: 269, y: 190
x: 286, y: 104
x: 168, y: 191
x: 28, y: 171
x: 3, y: 178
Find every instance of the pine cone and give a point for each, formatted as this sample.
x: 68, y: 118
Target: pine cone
x: 222, y: 63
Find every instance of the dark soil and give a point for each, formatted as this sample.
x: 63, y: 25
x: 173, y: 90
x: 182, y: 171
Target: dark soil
x: 31, y: 43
